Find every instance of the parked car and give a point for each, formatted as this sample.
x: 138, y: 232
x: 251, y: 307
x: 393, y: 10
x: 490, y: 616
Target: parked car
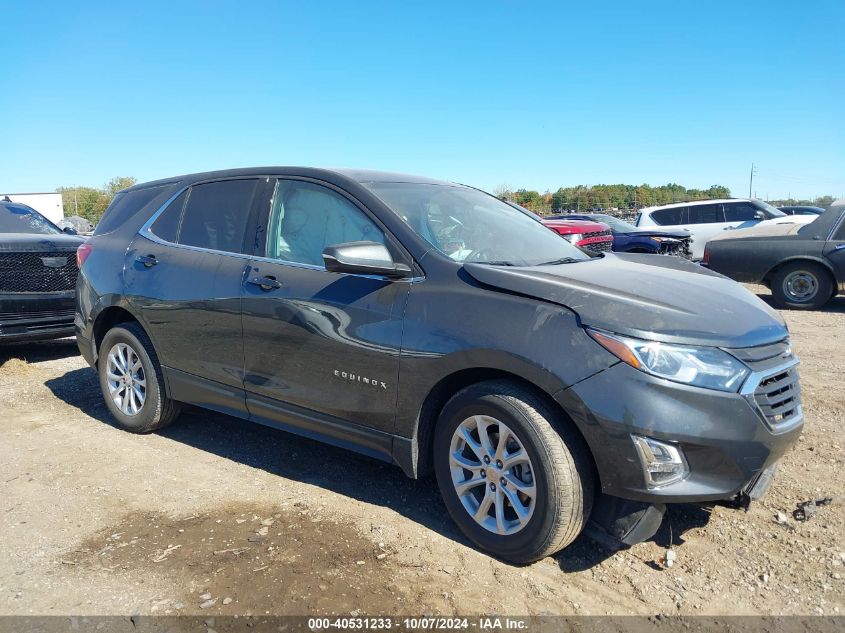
x: 627, y: 238
x: 705, y: 219
x: 803, y: 265
x: 799, y: 210
x: 592, y: 236
x: 37, y: 275
x: 436, y: 327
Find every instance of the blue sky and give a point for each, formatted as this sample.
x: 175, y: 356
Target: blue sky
x: 528, y: 94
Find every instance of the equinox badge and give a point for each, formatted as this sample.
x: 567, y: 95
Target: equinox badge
x: 364, y: 380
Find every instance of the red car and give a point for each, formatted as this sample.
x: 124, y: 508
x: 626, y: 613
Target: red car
x: 593, y: 236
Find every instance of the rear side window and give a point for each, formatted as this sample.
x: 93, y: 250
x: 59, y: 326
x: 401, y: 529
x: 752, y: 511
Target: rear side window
x: 706, y: 214
x: 166, y: 225
x: 216, y: 215
x: 125, y: 205
x: 840, y: 230
x: 740, y: 212
x: 671, y: 216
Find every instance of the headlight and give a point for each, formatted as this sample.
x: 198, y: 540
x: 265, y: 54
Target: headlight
x: 574, y: 237
x: 707, y: 367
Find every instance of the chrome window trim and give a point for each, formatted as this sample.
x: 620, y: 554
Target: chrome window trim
x: 146, y: 232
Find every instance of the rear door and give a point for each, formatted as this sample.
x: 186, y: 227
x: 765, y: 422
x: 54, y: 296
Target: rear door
x: 316, y: 341
x: 184, y: 275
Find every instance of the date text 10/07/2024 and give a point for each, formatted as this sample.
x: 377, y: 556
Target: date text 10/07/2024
x: 421, y: 623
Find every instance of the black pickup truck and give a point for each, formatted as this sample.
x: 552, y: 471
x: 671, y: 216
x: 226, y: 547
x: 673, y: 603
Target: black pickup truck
x: 803, y: 265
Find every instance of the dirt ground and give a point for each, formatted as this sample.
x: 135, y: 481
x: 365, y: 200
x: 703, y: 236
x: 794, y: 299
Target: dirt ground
x: 217, y: 516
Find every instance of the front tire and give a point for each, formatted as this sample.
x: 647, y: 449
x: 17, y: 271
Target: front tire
x: 132, y: 382
x: 801, y: 286
x: 518, y: 483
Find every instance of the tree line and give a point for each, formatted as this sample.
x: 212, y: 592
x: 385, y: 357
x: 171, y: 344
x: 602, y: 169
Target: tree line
x: 608, y: 197
x: 91, y: 202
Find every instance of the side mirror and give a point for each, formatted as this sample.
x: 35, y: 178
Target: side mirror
x: 363, y: 258
x: 69, y: 230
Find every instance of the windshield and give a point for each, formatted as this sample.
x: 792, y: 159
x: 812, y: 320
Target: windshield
x: 615, y: 223
x: 19, y: 218
x: 468, y: 225
x: 772, y: 212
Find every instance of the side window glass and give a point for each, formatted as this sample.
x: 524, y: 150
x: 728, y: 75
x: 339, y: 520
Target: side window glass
x: 126, y: 204
x: 306, y: 218
x: 216, y: 215
x: 706, y: 214
x: 166, y: 225
x: 666, y: 217
x: 740, y: 212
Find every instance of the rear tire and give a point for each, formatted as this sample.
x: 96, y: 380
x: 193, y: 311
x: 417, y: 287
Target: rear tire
x: 132, y: 382
x: 543, y: 466
x: 801, y: 286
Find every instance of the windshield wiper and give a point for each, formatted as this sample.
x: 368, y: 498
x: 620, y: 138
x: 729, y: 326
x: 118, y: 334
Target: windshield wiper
x: 562, y: 260
x: 493, y: 263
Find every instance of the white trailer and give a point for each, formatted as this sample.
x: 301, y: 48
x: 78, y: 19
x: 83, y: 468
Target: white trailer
x: 47, y: 204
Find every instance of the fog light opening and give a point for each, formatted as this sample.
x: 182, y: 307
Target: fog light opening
x: 663, y: 463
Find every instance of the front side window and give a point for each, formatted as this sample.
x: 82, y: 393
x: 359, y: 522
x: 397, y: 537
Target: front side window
x: 19, y: 218
x: 468, y: 225
x: 740, y: 212
x: 306, y: 218
x: 769, y: 211
x: 216, y: 215
x: 669, y: 217
x: 706, y: 214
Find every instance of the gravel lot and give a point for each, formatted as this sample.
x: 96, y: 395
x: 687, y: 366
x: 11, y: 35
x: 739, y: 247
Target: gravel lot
x: 217, y: 516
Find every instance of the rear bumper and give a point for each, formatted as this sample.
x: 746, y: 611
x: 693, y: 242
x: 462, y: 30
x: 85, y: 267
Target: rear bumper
x: 36, y: 316
x: 724, y: 436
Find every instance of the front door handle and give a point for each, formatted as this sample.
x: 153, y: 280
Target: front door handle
x: 266, y: 283
x: 147, y: 260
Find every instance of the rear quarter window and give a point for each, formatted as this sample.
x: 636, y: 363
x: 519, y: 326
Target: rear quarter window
x: 126, y: 204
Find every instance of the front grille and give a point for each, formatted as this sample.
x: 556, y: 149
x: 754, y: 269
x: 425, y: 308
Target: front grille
x: 598, y: 246
x: 30, y: 272
x: 778, y: 393
x: 779, y: 396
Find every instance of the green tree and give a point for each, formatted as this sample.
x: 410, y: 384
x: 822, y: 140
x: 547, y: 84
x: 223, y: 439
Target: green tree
x: 91, y: 203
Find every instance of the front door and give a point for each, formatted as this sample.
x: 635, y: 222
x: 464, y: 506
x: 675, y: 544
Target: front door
x: 316, y: 341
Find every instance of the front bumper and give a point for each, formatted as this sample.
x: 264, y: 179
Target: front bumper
x: 36, y: 316
x: 725, y: 437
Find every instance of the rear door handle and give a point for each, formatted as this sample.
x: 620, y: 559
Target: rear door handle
x: 266, y: 283
x: 147, y: 260
x: 839, y: 247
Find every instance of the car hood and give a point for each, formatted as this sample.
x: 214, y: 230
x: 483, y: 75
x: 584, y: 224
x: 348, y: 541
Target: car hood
x: 35, y: 242
x: 658, y: 298
x: 679, y: 234
x: 576, y: 226
x: 761, y: 230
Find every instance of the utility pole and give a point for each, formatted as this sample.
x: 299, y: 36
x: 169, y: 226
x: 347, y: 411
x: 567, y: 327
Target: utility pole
x: 751, y: 180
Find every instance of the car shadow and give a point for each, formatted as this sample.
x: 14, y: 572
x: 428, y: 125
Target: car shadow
x: 334, y: 469
x: 283, y: 454
x: 39, y: 351
x: 834, y: 306
x: 585, y: 552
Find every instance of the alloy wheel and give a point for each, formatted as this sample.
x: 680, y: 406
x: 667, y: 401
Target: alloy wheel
x: 492, y: 475
x: 126, y: 379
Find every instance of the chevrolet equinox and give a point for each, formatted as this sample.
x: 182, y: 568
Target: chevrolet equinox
x: 431, y: 325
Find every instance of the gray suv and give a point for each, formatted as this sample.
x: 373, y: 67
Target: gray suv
x: 430, y: 325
